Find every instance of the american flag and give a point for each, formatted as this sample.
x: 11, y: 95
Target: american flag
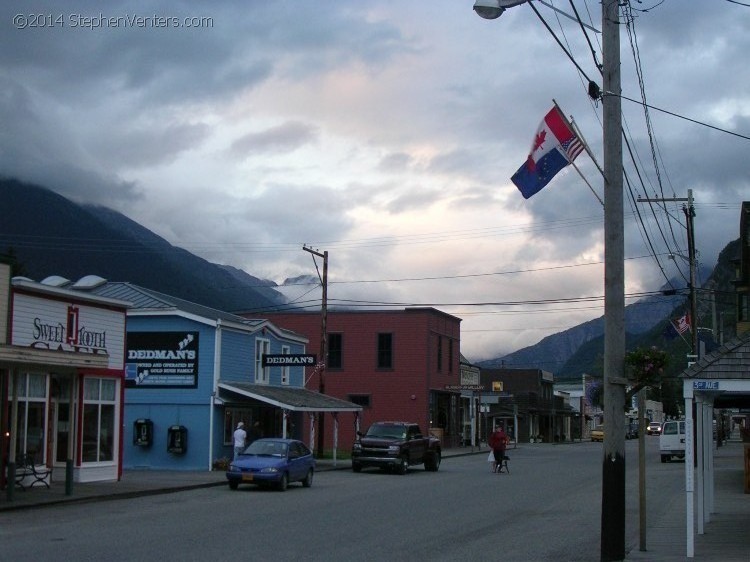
x: 682, y: 324
x: 572, y: 147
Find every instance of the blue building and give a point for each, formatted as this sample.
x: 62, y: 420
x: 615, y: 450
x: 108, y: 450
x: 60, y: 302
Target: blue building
x: 192, y: 373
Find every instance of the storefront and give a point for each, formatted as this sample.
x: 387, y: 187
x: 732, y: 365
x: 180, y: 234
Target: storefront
x: 61, y: 378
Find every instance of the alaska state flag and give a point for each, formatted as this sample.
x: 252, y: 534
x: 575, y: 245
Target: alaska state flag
x: 555, y: 146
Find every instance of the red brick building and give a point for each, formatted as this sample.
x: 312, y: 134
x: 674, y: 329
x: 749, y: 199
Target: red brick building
x: 397, y: 365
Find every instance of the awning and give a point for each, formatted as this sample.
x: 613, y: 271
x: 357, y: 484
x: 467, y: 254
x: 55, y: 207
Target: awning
x: 289, y: 398
x: 21, y: 357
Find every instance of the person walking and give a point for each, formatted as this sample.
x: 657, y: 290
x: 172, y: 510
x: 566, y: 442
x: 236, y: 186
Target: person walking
x: 239, y: 438
x: 498, y: 441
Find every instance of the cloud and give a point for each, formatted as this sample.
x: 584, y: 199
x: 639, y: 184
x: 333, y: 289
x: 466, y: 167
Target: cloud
x: 385, y: 132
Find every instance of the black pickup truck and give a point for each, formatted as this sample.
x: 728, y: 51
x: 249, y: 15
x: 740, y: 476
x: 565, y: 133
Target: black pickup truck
x: 395, y: 446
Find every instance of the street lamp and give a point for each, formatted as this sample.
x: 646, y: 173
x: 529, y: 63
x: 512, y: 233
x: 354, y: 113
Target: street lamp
x: 493, y: 9
x: 613, y: 465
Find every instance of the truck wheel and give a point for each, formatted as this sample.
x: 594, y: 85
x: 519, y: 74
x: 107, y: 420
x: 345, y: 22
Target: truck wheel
x: 356, y: 467
x: 664, y: 458
x: 432, y: 462
x: 403, y: 465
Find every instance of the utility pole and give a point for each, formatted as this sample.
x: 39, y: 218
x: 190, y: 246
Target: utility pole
x: 613, y: 461
x: 689, y: 211
x: 323, y: 340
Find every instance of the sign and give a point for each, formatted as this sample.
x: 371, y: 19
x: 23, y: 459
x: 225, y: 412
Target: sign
x: 161, y: 359
x: 705, y: 385
x: 57, y: 325
x: 464, y: 387
x: 288, y: 360
x: 497, y: 386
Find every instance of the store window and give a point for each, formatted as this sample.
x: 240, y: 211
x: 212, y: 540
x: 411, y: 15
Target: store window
x: 99, y: 419
x: 233, y: 416
x: 32, y: 401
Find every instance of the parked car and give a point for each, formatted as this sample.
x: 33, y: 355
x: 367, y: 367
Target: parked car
x: 654, y: 428
x: 597, y: 434
x: 273, y: 462
x: 672, y: 440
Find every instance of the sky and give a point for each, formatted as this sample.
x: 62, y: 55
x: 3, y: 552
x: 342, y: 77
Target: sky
x: 385, y: 133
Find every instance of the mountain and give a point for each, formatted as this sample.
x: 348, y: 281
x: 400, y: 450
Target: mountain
x: 50, y: 235
x: 580, y: 349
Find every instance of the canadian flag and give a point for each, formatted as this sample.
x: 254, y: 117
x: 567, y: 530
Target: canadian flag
x: 682, y: 324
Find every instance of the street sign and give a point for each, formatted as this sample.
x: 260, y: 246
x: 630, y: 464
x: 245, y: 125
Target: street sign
x: 288, y: 360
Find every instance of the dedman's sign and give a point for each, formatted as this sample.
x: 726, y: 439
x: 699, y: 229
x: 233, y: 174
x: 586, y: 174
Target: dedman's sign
x: 288, y: 360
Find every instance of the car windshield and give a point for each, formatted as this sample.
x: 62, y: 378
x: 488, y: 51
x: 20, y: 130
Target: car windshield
x: 263, y: 448
x: 387, y: 431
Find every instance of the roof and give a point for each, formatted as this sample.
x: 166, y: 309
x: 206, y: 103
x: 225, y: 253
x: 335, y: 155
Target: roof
x: 729, y: 363
x: 148, y: 300
x: 287, y: 397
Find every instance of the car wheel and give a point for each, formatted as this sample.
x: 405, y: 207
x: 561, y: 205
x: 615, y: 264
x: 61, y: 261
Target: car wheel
x: 284, y: 482
x: 664, y: 458
x: 356, y: 467
x: 432, y: 463
x: 233, y: 484
x: 307, y: 482
x: 403, y: 465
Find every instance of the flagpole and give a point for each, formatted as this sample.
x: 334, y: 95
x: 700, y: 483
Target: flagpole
x: 575, y: 129
x: 587, y: 183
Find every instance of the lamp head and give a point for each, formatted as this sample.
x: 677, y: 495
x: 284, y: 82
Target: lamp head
x: 493, y: 9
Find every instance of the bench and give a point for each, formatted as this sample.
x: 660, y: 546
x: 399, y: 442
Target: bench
x: 28, y: 473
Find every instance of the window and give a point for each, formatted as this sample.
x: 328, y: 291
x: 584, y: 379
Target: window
x: 335, y: 352
x: 743, y: 313
x: 262, y: 347
x: 385, y: 351
x: 440, y: 353
x: 32, y: 399
x: 99, y: 419
x: 285, y: 350
x: 233, y: 416
x: 360, y: 400
x: 450, y: 356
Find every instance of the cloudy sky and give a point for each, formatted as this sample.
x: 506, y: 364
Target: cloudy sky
x: 386, y: 133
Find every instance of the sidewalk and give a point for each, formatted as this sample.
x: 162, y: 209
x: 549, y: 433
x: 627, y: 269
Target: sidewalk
x: 726, y: 536
x: 135, y: 483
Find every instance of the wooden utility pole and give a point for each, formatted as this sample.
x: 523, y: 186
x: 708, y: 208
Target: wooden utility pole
x: 613, y: 461
x: 323, y: 340
x: 689, y: 211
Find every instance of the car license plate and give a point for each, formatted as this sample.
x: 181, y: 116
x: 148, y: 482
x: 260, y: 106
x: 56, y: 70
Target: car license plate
x: 247, y: 477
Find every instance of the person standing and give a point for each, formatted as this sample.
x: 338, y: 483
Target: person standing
x: 498, y: 441
x: 239, y: 439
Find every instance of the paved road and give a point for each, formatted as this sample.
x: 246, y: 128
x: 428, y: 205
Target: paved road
x: 548, y: 508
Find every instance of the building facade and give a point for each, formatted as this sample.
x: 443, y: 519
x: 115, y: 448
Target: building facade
x: 397, y: 365
x: 192, y: 373
x: 61, y: 378
x: 523, y: 401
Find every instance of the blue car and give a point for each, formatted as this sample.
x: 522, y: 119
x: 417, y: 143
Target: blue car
x: 274, y: 462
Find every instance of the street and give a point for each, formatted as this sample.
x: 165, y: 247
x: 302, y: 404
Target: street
x: 547, y: 508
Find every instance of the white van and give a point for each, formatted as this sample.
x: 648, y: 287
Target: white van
x: 672, y: 440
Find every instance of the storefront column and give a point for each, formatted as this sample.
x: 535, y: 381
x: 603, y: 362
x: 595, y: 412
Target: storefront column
x: 13, y: 437
x: 69, y: 462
